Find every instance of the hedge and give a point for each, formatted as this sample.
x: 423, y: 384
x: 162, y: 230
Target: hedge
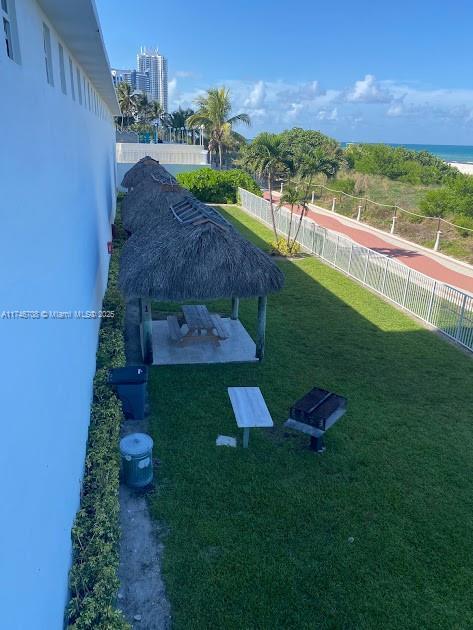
x: 93, y: 578
x: 213, y: 186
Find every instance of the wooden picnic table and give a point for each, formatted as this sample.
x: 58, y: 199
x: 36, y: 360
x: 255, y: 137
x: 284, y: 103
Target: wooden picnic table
x: 201, y: 326
x: 198, y: 318
x: 250, y: 410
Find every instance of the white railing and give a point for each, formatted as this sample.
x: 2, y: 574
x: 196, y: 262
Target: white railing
x: 444, y: 307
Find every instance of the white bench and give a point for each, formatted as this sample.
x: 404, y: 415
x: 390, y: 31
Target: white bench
x: 250, y: 410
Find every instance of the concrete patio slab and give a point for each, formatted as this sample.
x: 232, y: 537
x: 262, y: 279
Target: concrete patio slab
x: 238, y: 348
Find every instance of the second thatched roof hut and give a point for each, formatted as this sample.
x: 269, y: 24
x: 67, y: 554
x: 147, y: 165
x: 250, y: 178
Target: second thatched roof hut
x: 144, y: 169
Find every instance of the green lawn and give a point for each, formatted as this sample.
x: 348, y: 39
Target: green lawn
x: 259, y: 538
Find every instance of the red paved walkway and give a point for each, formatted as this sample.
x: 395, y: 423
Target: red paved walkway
x: 412, y: 258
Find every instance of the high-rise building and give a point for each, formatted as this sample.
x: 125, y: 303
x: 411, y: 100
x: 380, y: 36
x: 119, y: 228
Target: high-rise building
x: 155, y: 66
x: 150, y: 76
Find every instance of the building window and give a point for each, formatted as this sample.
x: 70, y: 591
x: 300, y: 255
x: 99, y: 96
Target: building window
x: 48, y: 60
x: 71, y: 72
x: 79, y: 85
x: 10, y: 33
x: 62, y: 70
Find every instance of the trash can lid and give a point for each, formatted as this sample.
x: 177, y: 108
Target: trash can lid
x: 136, y: 444
x: 128, y: 375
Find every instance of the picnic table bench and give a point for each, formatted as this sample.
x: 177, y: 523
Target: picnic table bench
x: 250, y: 410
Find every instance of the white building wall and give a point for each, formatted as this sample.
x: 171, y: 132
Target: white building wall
x: 57, y: 191
x: 176, y: 158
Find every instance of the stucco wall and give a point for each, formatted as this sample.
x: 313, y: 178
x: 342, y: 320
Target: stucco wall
x: 57, y: 175
x: 176, y: 158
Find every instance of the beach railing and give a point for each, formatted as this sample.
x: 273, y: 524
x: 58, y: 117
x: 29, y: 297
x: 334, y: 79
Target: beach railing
x: 444, y: 307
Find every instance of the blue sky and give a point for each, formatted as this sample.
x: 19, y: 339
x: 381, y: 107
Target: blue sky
x: 359, y: 71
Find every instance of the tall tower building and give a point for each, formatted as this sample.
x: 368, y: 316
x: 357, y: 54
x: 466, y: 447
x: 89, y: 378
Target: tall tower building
x: 155, y: 67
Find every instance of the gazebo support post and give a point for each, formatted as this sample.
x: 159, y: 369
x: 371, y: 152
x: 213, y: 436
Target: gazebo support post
x: 235, y: 307
x: 147, y: 330
x: 262, y: 303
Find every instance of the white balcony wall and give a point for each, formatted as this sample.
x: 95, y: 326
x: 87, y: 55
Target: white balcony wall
x: 174, y: 157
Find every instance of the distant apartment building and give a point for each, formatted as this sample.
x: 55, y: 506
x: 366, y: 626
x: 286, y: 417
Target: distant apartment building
x: 150, y: 76
x: 57, y: 174
x: 153, y: 64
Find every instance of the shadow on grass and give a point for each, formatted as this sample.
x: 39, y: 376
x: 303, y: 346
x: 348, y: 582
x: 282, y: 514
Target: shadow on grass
x: 259, y: 538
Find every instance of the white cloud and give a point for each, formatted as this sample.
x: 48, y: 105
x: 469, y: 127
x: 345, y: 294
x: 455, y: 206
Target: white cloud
x: 324, y: 114
x: 172, y: 87
x: 368, y: 90
x: 256, y: 96
x: 376, y: 107
x: 185, y: 74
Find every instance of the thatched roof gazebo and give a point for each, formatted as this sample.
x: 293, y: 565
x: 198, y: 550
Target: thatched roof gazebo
x: 149, y: 198
x: 190, y: 252
x: 143, y: 170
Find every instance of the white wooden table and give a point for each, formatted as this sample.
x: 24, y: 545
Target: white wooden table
x: 250, y: 410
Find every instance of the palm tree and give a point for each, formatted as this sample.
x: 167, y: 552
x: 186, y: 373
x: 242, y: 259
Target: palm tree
x: 290, y: 197
x: 157, y: 115
x: 178, y: 118
x: 126, y: 100
x: 214, y: 109
x: 295, y: 195
x: 313, y: 161
x: 143, y: 107
x: 267, y: 157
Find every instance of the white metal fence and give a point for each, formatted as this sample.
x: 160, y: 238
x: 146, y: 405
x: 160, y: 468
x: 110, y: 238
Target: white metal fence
x: 446, y: 308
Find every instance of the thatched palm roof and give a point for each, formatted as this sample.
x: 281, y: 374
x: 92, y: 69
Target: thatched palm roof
x: 175, y: 261
x: 146, y: 201
x: 143, y: 170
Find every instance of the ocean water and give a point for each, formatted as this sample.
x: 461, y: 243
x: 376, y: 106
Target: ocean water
x: 447, y: 152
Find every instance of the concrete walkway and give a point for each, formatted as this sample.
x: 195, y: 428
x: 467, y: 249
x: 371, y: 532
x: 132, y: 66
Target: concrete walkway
x: 142, y: 595
x: 437, y: 266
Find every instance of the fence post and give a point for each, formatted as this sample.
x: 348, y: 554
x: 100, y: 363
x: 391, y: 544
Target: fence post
x: 404, y: 297
x: 336, y: 250
x: 393, y: 224
x: 323, y: 244
x: 431, y: 302
x: 333, y: 204
x: 282, y: 186
x: 313, y: 196
x: 366, y: 267
x: 358, y: 216
x: 349, y: 259
x: 313, y: 237
x: 460, y: 318
x: 437, y: 241
x: 385, y: 274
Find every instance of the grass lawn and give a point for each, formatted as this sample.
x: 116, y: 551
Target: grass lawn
x: 259, y: 538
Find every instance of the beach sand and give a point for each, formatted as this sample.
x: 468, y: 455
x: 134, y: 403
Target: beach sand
x: 463, y: 167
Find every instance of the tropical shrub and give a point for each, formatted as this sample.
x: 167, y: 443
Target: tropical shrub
x: 212, y: 186
x: 281, y: 247
x: 297, y: 143
x: 456, y: 198
x: 414, y: 167
x: 93, y: 579
x: 345, y: 185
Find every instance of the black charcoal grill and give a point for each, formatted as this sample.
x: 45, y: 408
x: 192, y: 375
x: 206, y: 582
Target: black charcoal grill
x: 314, y: 413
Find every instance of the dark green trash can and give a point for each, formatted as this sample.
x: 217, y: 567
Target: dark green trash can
x: 136, y: 450
x: 130, y: 384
